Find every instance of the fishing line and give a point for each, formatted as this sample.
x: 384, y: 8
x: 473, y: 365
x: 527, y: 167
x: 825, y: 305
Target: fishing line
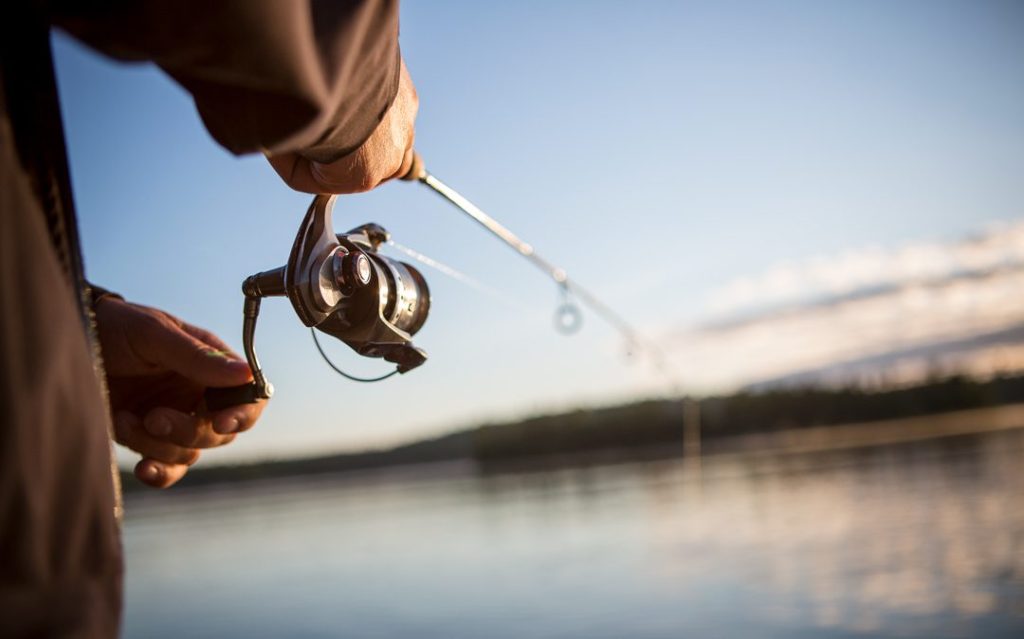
x: 456, y: 275
x: 566, y: 312
x: 337, y: 370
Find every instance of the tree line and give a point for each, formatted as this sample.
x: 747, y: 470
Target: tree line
x: 658, y: 422
x: 646, y: 425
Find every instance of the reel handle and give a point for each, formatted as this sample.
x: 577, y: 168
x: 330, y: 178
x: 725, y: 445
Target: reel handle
x: 254, y: 287
x: 225, y: 397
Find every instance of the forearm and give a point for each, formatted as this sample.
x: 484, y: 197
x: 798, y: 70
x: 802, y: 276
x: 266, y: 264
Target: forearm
x: 306, y: 76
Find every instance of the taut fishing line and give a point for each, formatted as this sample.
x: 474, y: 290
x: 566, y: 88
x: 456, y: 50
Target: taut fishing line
x: 456, y: 275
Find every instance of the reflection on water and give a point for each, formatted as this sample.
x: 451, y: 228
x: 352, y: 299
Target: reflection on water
x: 923, y: 540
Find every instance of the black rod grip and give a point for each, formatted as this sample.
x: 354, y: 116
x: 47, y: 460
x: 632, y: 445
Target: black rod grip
x: 226, y: 397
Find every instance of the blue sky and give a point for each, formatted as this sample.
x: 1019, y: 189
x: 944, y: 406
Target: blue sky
x: 660, y: 152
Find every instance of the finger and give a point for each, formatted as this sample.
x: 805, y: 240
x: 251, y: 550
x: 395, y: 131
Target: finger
x: 169, y: 346
x: 210, y: 339
x: 158, y: 474
x: 124, y: 423
x: 130, y: 433
x: 183, y: 429
x: 406, y: 166
x: 295, y: 171
x: 237, y: 419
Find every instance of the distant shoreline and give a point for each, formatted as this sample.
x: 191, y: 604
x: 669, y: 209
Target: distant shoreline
x: 799, y: 440
x: 882, y: 432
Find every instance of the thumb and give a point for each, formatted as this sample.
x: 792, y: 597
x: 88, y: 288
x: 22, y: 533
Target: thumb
x: 172, y: 348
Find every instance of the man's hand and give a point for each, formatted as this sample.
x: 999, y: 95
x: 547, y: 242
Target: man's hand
x: 157, y: 369
x: 386, y: 154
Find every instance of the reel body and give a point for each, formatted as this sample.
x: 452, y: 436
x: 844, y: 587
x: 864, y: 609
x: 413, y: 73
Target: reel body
x: 340, y: 285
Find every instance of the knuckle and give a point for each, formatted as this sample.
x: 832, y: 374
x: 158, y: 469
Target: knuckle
x: 251, y: 416
x: 150, y: 325
x: 189, y: 457
x: 365, y: 183
x: 198, y: 439
x: 368, y: 178
x: 211, y: 439
x: 392, y: 165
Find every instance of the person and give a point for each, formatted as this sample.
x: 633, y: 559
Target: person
x: 320, y: 88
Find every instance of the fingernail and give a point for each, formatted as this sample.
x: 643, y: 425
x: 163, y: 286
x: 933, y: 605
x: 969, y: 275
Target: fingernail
x: 226, y: 426
x: 149, y: 472
x: 159, y: 426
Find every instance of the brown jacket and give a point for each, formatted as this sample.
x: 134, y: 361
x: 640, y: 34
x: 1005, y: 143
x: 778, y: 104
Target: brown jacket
x: 308, y: 76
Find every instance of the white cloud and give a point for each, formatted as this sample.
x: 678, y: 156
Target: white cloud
x: 912, y: 299
x: 833, y: 276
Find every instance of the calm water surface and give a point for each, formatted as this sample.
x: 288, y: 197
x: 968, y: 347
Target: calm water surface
x: 923, y: 540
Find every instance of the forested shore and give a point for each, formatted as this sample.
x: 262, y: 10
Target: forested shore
x: 653, y: 427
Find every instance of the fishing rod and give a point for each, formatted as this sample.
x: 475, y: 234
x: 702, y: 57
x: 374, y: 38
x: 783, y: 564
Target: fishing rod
x: 567, y: 315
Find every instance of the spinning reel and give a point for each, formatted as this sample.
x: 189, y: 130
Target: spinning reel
x: 341, y: 286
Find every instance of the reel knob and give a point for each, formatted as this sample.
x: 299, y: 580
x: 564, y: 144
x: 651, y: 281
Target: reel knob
x: 352, y: 271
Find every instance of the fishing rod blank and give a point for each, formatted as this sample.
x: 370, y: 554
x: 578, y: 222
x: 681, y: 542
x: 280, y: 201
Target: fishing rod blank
x: 567, y: 317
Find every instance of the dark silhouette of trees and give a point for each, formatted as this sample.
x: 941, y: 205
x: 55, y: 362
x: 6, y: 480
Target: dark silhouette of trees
x: 654, y: 425
x: 661, y: 422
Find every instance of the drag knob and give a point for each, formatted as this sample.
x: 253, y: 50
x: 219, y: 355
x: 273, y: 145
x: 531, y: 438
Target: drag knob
x: 352, y: 271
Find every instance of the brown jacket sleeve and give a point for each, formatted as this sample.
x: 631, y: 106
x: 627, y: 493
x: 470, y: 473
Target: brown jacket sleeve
x: 313, y: 76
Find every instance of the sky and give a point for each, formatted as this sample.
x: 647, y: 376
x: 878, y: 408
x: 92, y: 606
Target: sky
x: 729, y: 176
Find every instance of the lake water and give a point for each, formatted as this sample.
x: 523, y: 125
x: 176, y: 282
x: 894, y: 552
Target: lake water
x: 921, y: 540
